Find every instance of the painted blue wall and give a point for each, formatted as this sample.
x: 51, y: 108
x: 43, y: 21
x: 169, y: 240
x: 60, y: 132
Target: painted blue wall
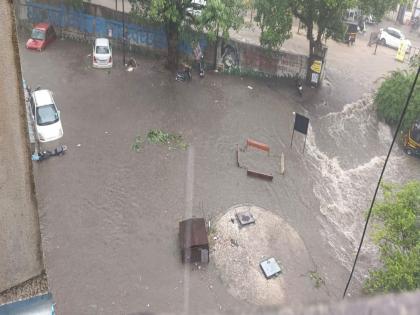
x: 63, y: 17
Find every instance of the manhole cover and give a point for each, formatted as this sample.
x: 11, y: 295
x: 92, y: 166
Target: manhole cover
x: 238, y: 251
x: 245, y: 218
x: 270, y: 267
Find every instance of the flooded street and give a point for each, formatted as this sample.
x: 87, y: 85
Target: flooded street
x: 109, y: 216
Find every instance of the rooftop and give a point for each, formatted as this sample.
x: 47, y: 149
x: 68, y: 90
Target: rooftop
x: 43, y: 97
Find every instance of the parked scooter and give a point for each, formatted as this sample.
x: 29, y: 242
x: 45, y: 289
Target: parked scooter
x: 184, y: 75
x: 299, y: 86
x: 60, y: 150
x: 201, y: 65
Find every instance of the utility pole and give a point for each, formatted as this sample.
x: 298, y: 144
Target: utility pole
x: 413, y: 15
x: 123, y: 23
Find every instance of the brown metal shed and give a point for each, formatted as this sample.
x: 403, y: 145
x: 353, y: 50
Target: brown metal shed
x: 193, y: 240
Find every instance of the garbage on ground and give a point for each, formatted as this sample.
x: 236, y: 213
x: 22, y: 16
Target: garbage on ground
x: 250, y: 87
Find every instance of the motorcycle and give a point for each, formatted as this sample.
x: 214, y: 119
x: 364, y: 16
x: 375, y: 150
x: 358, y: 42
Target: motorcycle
x: 184, y: 75
x: 43, y: 155
x: 201, y: 67
x: 299, y: 86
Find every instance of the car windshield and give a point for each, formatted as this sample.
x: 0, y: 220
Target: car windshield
x: 38, y: 34
x: 46, y: 115
x: 102, y: 50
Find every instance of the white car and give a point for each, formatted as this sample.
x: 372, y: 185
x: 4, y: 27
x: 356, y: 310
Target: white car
x: 392, y: 37
x: 46, y: 116
x: 196, y: 7
x: 102, y: 53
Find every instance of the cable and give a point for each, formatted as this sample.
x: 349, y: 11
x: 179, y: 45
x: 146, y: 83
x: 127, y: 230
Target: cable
x: 380, y: 179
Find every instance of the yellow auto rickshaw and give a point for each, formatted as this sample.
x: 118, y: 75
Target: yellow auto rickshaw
x: 411, y: 140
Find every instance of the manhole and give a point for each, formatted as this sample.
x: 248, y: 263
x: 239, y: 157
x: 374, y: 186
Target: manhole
x: 245, y: 218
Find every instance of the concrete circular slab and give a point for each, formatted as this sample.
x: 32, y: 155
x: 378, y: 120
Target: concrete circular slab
x: 237, y: 252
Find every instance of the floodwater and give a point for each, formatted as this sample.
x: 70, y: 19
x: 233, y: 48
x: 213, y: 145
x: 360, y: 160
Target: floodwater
x: 109, y: 216
x: 348, y: 154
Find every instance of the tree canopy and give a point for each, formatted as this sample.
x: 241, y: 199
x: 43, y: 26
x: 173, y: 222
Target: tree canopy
x: 220, y: 16
x: 180, y: 17
x: 377, y: 8
x: 397, y: 233
x: 275, y: 20
x: 322, y: 18
x: 392, y: 95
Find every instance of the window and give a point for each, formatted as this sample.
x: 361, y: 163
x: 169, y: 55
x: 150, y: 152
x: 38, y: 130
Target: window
x: 393, y: 33
x: 102, y: 50
x: 38, y: 34
x: 46, y: 115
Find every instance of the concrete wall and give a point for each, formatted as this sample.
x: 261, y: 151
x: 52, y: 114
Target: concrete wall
x: 98, y: 21
x: 253, y: 58
x: 20, y: 239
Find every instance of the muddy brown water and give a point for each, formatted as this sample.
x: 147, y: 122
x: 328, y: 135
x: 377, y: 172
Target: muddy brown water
x: 109, y: 216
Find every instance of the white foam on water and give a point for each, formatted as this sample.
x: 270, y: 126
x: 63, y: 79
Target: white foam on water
x: 362, y: 111
x: 345, y: 194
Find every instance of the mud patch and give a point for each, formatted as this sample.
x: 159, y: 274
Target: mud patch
x: 238, y: 251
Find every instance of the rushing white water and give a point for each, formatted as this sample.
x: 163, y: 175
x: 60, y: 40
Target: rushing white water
x: 345, y: 194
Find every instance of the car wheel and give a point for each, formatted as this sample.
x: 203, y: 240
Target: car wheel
x: 383, y: 42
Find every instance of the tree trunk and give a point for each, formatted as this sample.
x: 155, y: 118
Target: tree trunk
x: 401, y: 13
x: 172, y: 37
x: 310, y: 37
x: 311, y: 47
x: 216, y: 46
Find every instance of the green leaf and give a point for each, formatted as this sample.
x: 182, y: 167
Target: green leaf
x: 391, y: 97
x: 398, y: 236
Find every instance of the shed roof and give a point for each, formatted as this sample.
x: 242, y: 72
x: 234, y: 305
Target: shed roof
x: 193, y: 232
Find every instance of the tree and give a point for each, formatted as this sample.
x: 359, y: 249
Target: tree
x: 174, y: 17
x: 275, y: 20
x: 397, y: 233
x: 220, y: 16
x: 391, y: 97
x: 322, y: 18
x: 178, y: 18
x: 324, y: 15
x: 378, y: 8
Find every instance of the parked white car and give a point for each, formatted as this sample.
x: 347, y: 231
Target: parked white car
x: 392, y: 37
x: 102, y: 53
x: 196, y: 7
x: 46, y: 116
